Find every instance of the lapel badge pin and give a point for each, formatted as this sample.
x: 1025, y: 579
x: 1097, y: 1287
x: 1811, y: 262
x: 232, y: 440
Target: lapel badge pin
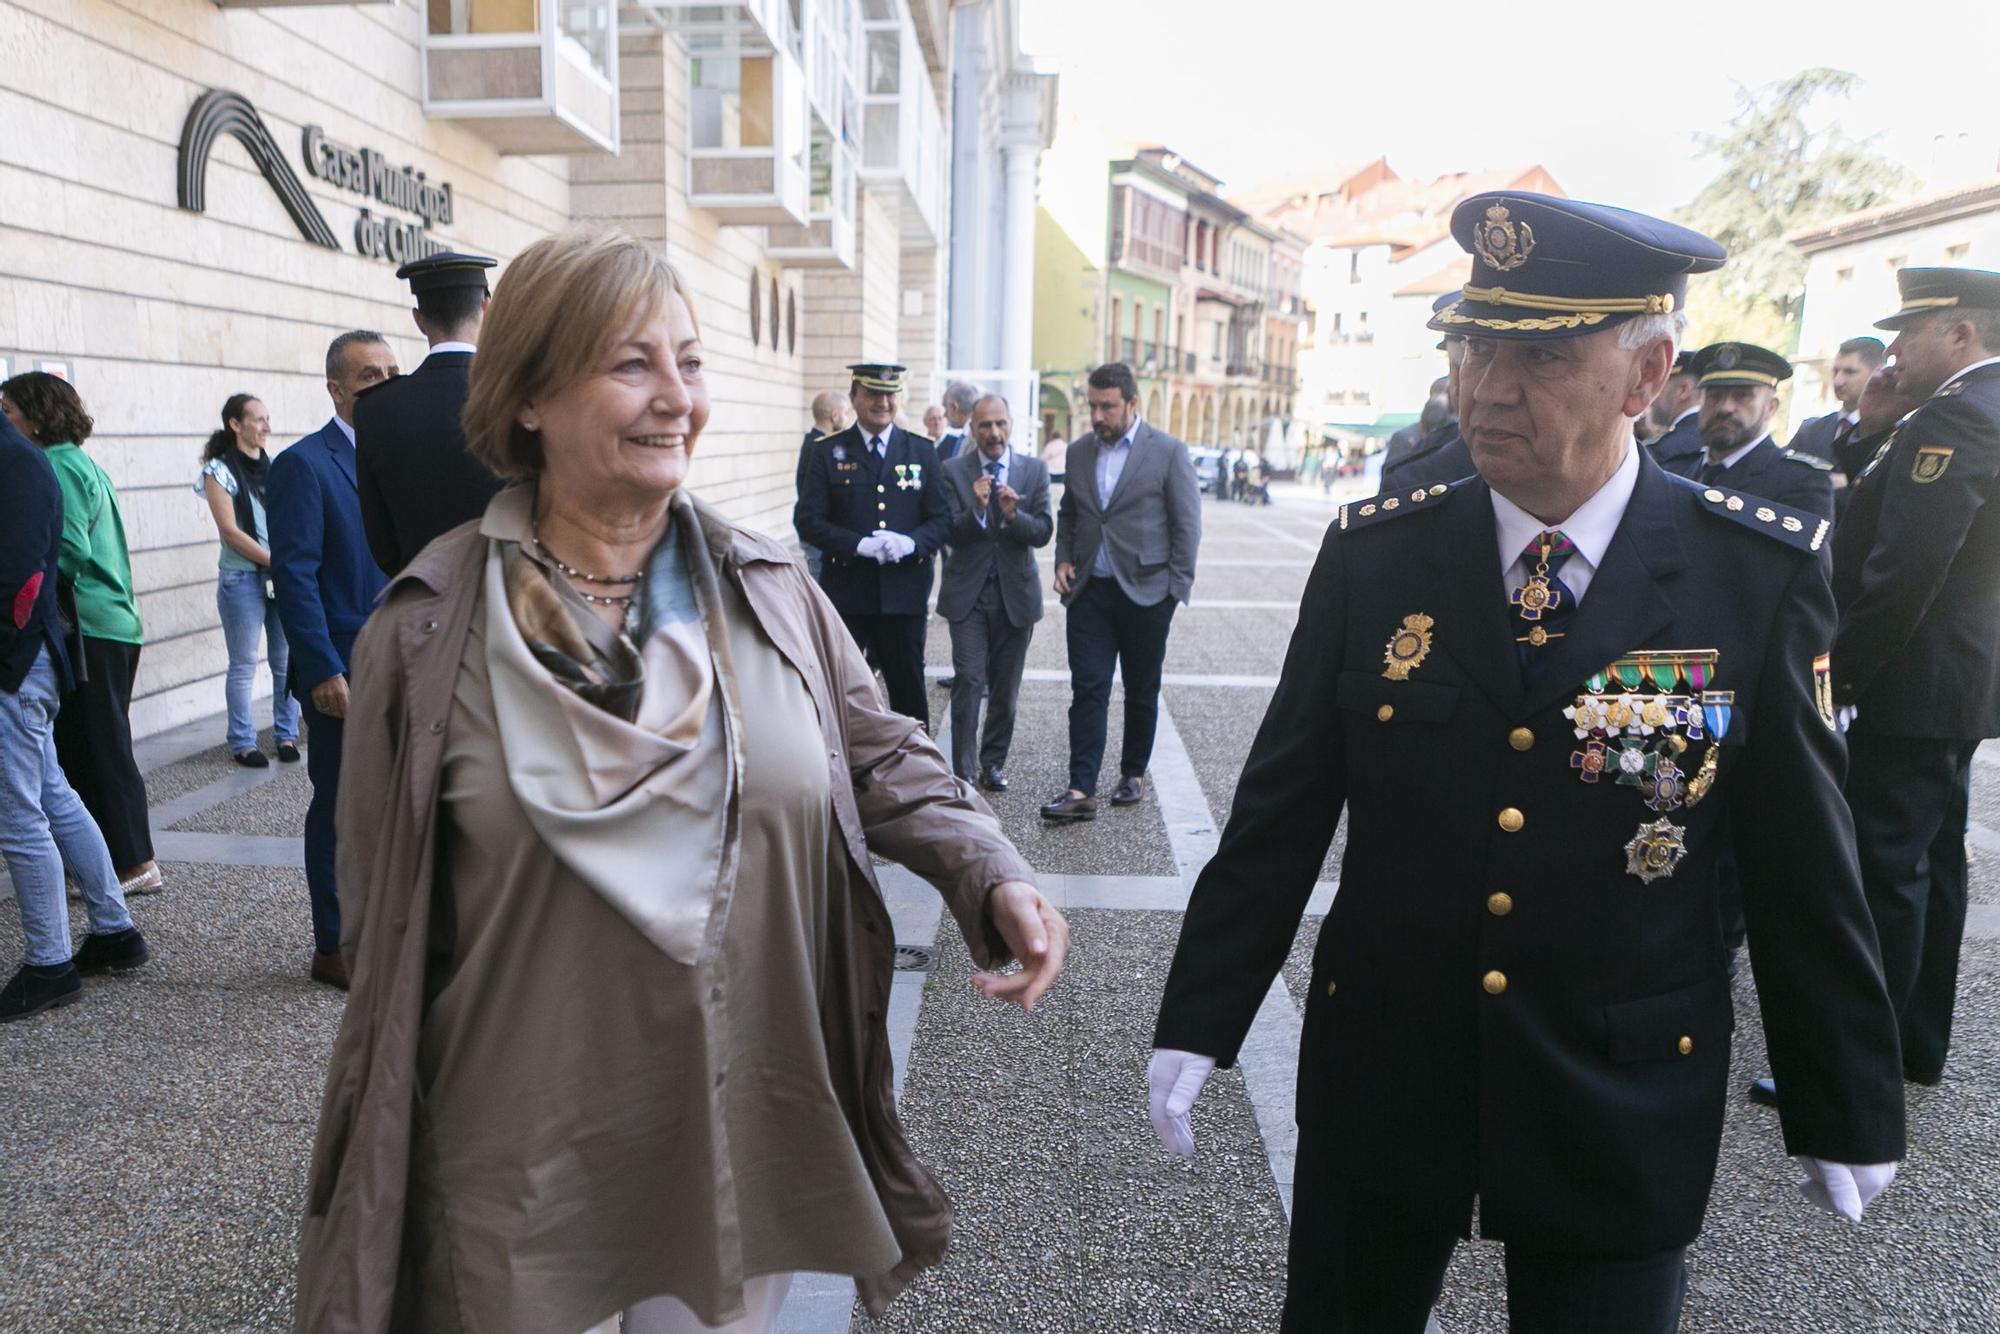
x: 1655, y: 851
x: 1408, y: 647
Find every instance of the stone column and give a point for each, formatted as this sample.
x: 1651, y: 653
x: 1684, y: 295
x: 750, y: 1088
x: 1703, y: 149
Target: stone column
x: 1017, y: 306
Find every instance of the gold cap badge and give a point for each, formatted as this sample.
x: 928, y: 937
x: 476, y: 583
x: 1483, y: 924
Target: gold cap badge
x: 1408, y: 647
x: 1503, y: 243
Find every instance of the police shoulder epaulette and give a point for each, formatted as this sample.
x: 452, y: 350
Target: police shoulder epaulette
x: 1361, y: 513
x: 1796, y: 528
x: 1810, y: 460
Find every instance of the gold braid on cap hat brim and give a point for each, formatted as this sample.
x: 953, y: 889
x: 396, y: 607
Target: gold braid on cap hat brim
x: 1572, y: 312
x: 1739, y: 377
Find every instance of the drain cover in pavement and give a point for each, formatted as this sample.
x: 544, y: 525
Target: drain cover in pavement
x: 912, y: 959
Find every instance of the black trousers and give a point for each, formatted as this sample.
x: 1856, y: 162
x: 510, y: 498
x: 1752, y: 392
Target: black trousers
x: 896, y: 644
x: 323, y: 735
x: 1909, y: 797
x: 1110, y: 633
x: 988, y: 652
x: 1357, y: 1265
x: 94, y: 744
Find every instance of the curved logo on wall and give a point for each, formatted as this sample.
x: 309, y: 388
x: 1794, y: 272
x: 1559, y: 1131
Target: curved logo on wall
x: 363, y: 171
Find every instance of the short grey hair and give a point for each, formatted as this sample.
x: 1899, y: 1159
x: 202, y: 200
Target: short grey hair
x: 997, y: 398
x: 336, y: 351
x: 1640, y: 330
x: 1985, y: 323
x: 962, y: 395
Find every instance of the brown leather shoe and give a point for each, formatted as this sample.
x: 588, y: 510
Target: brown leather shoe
x: 1071, y: 805
x: 1131, y: 791
x: 330, y: 969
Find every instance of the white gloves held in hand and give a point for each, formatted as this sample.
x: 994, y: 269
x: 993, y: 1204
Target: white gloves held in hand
x: 1173, y: 1082
x: 1842, y: 1188
x: 884, y: 547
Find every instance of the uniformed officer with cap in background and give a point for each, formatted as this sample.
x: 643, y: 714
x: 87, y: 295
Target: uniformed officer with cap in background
x: 1676, y: 415
x: 415, y: 478
x: 871, y: 499
x: 1441, y: 456
x: 1739, y: 396
x: 1916, y: 570
x: 1535, y: 693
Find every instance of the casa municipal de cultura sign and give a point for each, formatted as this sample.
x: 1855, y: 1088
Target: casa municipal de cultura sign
x: 362, y: 171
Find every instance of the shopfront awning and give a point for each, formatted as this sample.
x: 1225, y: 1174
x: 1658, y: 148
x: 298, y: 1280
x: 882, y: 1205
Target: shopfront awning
x: 1380, y: 429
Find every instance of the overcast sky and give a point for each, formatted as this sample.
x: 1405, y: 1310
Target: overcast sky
x: 1608, y: 96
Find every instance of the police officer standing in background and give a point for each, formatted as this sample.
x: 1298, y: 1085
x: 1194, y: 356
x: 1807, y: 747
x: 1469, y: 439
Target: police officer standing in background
x: 415, y: 478
x: 1675, y: 417
x: 1536, y: 692
x: 872, y: 501
x: 1739, y: 396
x: 1916, y: 570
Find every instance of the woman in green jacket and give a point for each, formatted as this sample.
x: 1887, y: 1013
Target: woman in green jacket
x: 93, y: 730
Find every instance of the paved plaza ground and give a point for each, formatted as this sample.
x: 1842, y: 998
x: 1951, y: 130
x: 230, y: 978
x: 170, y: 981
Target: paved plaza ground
x: 153, y: 1138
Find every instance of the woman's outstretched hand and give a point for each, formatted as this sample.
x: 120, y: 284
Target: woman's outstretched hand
x: 1038, y: 936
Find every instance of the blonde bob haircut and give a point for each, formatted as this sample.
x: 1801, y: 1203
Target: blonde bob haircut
x: 559, y: 307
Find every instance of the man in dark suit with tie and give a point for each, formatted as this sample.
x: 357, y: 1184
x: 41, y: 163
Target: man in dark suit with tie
x: 1675, y: 417
x: 1534, y: 693
x: 1822, y: 437
x: 959, y: 398
x: 991, y: 590
x: 1916, y: 571
x: 415, y: 478
x: 1739, y: 396
x: 828, y: 413
x: 1127, y: 534
x: 871, y: 500
x: 326, y: 582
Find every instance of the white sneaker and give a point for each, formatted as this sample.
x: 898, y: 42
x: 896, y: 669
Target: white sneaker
x: 147, y: 881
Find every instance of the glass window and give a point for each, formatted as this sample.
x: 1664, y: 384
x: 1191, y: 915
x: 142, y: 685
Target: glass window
x: 588, y: 24
x: 878, y: 147
x: 877, y: 11
x: 731, y: 101
x: 885, y: 63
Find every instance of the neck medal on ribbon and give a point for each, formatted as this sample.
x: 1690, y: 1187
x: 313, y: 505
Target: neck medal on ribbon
x: 1636, y: 721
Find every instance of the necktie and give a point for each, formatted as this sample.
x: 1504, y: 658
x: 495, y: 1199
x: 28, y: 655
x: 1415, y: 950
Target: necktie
x: 875, y: 446
x: 993, y: 471
x: 1710, y: 474
x: 1543, y: 604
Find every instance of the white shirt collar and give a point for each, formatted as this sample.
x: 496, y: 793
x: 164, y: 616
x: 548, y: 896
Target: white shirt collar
x: 1590, y: 529
x: 345, y: 429
x: 1850, y: 418
x: 1685, y: 414
x: 1729, y: 460
x: 1964, y: 371
x: 449, y: 347
x: 1126, y: 439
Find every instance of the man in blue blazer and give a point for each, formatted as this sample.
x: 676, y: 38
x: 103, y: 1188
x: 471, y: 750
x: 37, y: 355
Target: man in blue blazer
x: 326, y: 584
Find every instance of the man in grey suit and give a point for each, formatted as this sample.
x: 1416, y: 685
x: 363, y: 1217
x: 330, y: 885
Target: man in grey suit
x: 991, y: 594
x: 1126, y: 537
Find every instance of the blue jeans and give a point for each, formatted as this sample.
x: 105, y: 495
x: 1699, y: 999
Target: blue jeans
x: 239, y: 597
x: 44, y: 827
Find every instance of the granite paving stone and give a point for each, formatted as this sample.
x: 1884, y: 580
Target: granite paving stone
x: 1217, y: 725
x: 277, y: 809
x: 199, y: 770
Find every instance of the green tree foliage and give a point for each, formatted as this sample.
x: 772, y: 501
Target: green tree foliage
x: 1777, y: 174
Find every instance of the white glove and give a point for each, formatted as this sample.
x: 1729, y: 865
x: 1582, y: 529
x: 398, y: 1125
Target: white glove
x: 1173, y: 1082
x: 1844, y: 1189
x: 900, y: 545
x: 1844, y: 719
x: 870, y: 547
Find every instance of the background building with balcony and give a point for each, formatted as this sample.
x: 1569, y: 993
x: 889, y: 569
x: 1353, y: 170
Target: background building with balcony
x: 1377, y: 251
x: 792, y: 157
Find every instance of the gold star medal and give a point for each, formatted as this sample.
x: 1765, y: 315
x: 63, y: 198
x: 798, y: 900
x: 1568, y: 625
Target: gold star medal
x: 1408, y: 647
x: 1655, y: 851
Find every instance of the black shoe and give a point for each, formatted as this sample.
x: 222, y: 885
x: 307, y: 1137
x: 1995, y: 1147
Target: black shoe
x: 330, y: 969
x: 288, y: 753
x: 1131, y: 791
x: 1930, y: 1079
x: 36, y: 989
x: 252, y: 759
x: 113, y: 953
x: 1071, y: 806
x: 947, y: 682
x: 992, y: 779
x: 1764, y: 1092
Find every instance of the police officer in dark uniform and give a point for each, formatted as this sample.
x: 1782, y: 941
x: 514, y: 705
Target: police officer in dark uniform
x: 1536, y: 692
x: 415, y: 478
x: 1739, y: 396
x: 871, y: 499
x: 1916, y: 570
x: 1442, y: 455
x: 1678, y: 448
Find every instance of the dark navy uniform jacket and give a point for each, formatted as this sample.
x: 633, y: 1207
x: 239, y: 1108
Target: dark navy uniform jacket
x: 1802, y: 481
x: 1679, y: 451
x: 415, y: 478
x: 1442, y: 457
x: 1498, y: 1006
x: 846, y: 494
x: 31, y: 517
x: 1916, y: 569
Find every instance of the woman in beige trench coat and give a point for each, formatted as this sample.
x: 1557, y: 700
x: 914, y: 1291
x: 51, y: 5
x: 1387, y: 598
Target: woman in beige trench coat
x: 615, y: 1050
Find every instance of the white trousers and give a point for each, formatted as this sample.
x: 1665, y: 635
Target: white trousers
x: 763, y: 1298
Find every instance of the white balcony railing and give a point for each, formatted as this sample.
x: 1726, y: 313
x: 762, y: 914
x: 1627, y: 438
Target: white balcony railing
x: 827, y: 238
x: 530, y: 76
